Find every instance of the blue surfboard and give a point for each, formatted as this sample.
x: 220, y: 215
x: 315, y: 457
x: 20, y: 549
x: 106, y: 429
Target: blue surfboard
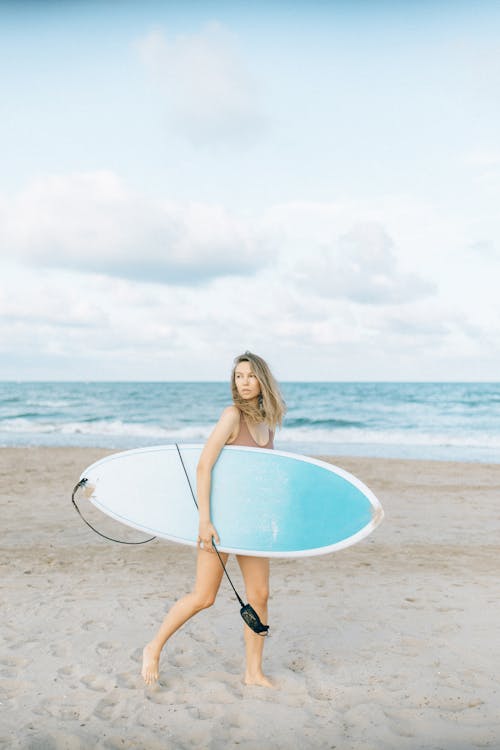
x: 265, y: 503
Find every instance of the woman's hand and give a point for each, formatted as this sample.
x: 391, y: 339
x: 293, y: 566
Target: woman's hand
x: 206, y: 531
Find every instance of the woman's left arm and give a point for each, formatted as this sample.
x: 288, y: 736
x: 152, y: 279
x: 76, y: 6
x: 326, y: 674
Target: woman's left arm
x: 221, y: 433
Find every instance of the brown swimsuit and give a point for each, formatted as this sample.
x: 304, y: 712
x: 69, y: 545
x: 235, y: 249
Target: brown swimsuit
x: 244, y: 436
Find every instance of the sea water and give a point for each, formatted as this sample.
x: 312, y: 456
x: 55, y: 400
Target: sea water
x: 444, y: 421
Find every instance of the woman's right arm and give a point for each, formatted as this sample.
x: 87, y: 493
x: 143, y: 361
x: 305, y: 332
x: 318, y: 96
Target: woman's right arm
x: 223, y: 430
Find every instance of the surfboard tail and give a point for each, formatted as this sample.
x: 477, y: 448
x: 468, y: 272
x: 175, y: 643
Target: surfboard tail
x: 87, y: 488
x: 377, y: 515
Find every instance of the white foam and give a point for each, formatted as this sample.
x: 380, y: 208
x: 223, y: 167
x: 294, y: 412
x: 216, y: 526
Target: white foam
x: 107, y: 428
x: 389, y: 437
x: 425, y: 441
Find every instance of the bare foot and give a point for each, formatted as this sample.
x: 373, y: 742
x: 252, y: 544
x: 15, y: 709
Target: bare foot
x: 258, y: 679
x: 150, y: 664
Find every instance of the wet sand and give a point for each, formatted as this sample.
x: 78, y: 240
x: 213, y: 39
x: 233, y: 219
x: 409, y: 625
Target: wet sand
x: 392, y: 643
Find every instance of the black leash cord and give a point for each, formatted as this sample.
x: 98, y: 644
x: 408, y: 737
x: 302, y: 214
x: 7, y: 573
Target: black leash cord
x: 82, y: 483
x: 213, y: 543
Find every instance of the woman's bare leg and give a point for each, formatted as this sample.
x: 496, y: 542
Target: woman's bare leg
x: 255, y: 572
x: 208, y: 577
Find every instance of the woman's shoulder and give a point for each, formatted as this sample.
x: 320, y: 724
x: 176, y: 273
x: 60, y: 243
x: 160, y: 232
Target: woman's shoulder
x: 230, y: 421
x: 230, y: 412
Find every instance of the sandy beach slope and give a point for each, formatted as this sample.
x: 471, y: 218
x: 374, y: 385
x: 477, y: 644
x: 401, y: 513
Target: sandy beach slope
x: 392, y: 643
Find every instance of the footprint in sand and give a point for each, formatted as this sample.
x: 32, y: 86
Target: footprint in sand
x: 97, y: 682
x: 183, y: 659
x: 104, y: 647
x: 69, y: 676
x: 11, y: 689
x: 106, y: 709
x: 94, y: 625
x: 321, y: 692
x: 69, y: 671
x: 13, y: 662
x: 202, y: 636
x: 292, y: 687
x: 59, y: 709
x: 117, y: 742
x: 298, y: 664
x: 11, y: 667
x: 237, y: 720
x: 59, y: 650
x: 203, y: 712
x: 129, y: 680
x: 222, y: 689
x: 15, y: 645
x: 161, y: 696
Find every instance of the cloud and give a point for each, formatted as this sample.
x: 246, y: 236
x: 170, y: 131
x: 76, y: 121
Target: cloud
x: 362, y: 266
x: 92, y: 222
x: 482, y: 158
x: 64, y: 323
x: 209, y: 93
x: 483, y: 167
x: 484, y: 249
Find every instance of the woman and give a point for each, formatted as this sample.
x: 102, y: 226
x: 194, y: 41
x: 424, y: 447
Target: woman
x: 252, y: 419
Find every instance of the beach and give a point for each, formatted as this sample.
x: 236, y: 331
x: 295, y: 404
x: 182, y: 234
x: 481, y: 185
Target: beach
x: 392, y: 643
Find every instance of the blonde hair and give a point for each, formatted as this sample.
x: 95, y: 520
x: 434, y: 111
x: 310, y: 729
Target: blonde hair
x: 271, y: 407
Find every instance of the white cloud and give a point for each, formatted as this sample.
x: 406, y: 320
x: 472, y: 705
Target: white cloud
x: 483, y: 249
x: 92, y: 222
x: 482, y: 158
x: 209, y: 92
x: 361, y: 265
x: 320, y: 287
x: 92, y: 326
x: 483, y: 170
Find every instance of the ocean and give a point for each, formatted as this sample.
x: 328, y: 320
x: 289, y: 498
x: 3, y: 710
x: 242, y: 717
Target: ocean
x: 441, y: 421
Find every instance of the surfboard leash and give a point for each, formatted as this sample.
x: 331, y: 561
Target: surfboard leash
x: 247, y: 612
x: 82, y: 483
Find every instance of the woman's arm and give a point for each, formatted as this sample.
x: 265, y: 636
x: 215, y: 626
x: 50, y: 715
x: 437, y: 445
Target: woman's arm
x: 223, y: 430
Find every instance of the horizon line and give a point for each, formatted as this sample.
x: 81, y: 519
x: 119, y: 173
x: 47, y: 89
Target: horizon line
x: 225, y: 381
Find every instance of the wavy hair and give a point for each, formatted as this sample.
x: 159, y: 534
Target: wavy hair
x: 271, y: 407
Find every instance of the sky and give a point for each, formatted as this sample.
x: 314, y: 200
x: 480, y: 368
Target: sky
x: 317, y: 182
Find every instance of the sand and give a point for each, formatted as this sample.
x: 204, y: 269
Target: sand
x: 392, y: 643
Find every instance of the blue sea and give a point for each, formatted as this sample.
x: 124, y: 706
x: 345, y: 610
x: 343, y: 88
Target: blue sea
x: 442, y: 421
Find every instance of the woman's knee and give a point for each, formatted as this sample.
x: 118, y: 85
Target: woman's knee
x: 204, y: 599
x: 258, y: 595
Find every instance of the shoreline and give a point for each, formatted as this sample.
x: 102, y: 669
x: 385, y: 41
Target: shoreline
x: 331, y: 457
x: 389, y: 644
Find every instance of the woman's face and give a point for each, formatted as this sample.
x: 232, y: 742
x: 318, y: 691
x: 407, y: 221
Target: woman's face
x: 246, y: 381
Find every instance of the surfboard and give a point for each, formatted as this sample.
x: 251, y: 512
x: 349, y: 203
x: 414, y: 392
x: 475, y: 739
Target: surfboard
x: 266, y: 503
